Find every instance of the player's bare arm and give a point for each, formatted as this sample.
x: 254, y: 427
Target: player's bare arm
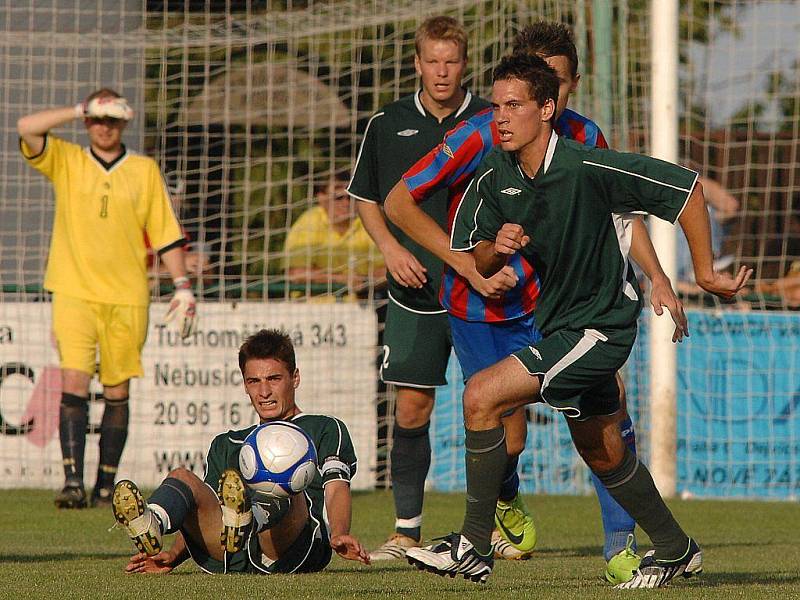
x: 661, y: 292
x: 695, y: 223
x: 403, y: 265
x: 407, y: 215
x: 337, y: 502
x: 34, y: 127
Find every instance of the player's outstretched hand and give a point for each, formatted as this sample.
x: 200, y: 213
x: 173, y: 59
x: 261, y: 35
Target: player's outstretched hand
x: 106, y: 106
x: 510, y: 239
x: 141, y: 563
x: 350, y: 548
x: 405, y: 267
x: 663, y: 296
x: 724, y: 285
x: 182, y: 308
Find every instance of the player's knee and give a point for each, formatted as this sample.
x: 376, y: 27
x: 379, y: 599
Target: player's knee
x: 414, y: 408
x: 477, y: 405
x: 183, y: 474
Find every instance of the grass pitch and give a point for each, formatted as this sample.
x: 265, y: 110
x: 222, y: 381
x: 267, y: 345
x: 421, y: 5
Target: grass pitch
x: 750, y: 549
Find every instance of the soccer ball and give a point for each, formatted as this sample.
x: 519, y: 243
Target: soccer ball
x: 278, y: 459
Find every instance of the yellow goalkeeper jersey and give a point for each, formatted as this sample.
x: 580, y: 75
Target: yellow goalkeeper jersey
x: 102, y: 211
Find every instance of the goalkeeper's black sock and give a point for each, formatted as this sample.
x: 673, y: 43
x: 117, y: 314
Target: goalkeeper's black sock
x: 171, y: 503
x: 632, y: 486
x: 113, y: 434
x: 73, y: 417
x: 411, y: 460
x: 486, y: 460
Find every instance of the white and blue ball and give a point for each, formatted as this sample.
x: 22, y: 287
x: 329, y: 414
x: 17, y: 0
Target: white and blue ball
x: 278, y: 459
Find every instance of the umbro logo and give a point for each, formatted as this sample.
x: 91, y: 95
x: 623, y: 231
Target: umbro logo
x: 408, y: 132
x: 446, y: 149
x: 511, y: 191
x: 535, y: 352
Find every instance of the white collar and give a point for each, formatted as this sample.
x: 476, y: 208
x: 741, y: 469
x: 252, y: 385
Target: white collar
x: 421, y: 107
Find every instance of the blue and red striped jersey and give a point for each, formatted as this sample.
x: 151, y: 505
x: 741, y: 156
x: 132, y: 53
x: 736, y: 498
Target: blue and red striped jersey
x: 451, y: 165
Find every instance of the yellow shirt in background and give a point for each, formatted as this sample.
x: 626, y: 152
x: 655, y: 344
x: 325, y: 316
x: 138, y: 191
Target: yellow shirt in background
x: 97, y: 251
x: 312, y: 243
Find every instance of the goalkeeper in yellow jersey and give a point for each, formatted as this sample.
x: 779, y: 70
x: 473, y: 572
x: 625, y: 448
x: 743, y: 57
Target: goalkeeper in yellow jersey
x: 106, y: 199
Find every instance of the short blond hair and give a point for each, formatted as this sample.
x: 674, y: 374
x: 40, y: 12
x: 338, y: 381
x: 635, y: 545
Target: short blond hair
x: 441, y: 28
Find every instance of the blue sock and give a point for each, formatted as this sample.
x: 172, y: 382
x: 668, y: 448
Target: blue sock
x: 510, y: 486
x: 617, y: 523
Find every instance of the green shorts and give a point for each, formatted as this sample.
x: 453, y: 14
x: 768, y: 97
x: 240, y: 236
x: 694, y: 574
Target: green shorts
x: 577, y: 369
x: 310, y: 552
x: 416, y: 347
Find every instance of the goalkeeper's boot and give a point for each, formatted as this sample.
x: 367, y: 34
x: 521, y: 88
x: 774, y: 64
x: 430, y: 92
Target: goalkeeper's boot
x: 654, y: 572
x: 515, y: 523
x: 131, y: 511
x: 621, y: 566
x: 452, y: 555
x: 236, y: 513
x: 505, y: 551
x: 395, y: 547
x: 101, y: 497
x: 72, y: 495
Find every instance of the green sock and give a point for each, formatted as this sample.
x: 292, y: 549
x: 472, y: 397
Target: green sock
x: 486, y: 461
x: 632, y: 486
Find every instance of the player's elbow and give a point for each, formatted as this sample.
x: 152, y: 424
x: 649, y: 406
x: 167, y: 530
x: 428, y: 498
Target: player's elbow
x: 390, y: 209
x: 23, y: 126
x: 395, y: 202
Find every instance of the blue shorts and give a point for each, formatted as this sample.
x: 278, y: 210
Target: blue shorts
x: 479, y: 345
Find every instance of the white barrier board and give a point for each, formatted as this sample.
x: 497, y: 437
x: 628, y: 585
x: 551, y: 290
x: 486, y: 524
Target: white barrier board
x: 191, y: 390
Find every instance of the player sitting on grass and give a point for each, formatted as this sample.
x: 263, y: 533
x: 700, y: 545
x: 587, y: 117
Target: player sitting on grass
x: 293, y: 535
x: 554, y: 202
x: 487, y: 330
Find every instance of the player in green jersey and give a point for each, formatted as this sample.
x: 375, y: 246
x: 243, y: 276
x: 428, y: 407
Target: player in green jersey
x: 416, y: 339
x: 566, y: 209
x: 219, y: 530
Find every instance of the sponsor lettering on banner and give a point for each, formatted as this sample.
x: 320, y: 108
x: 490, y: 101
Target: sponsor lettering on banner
x: 191, y: 389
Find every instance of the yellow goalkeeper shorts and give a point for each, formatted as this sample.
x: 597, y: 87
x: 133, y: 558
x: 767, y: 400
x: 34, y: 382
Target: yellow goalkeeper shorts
x: 81, y: 326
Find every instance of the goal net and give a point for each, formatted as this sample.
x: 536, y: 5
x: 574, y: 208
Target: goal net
x: 252, y: 108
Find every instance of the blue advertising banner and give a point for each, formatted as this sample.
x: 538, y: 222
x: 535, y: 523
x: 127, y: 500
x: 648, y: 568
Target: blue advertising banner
x: 738, y: 414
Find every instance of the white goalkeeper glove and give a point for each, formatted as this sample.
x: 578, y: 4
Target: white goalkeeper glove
x: 182, y: 308
x: 105, y: 106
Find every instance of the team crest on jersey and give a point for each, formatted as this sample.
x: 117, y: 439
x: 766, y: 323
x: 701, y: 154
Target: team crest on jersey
x: 408, y: 132
x: 446, y: 149
x: 535, y: 352
x: 511, y: 191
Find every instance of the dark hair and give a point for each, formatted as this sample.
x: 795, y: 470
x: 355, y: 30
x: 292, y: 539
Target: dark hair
x: 336, y: 176
x: 547, y: 39
x: 268, y: 343
x: 541, y: 78
x: 444, y: 29
x: 103, y: 93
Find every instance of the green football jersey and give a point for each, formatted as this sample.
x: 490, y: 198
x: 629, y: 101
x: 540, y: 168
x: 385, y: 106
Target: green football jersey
x: 396, y: 137
x: 336, y: 457
x: 577, y: 212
